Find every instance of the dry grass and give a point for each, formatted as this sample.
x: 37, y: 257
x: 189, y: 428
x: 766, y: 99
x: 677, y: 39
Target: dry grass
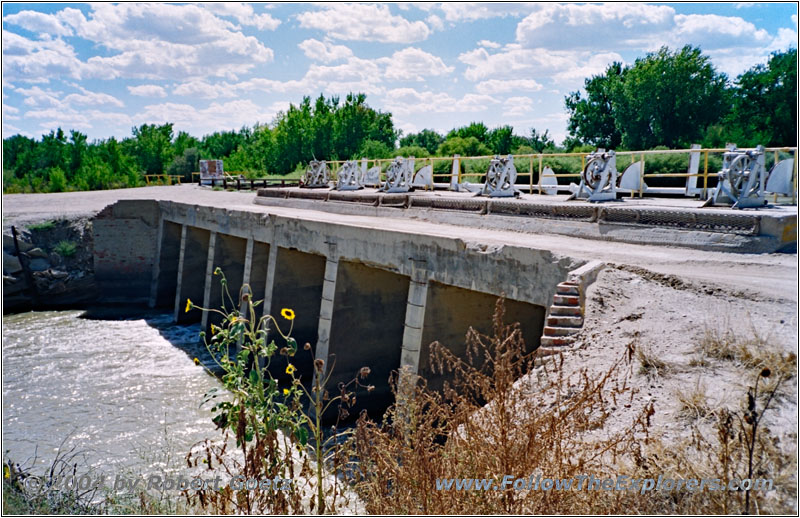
x: 487, y: 424
x: 694, y: 401
x: 649, y: 363
x: 752, y: 350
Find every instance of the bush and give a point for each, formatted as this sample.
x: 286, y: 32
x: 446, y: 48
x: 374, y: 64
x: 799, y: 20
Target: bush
x: 58, y: 180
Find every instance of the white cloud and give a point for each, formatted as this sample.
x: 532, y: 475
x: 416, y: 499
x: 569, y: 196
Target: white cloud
x: 36, y: 61
x: 407, y: 100
x: 711, y: 31
x: 499, y: 86
x: 324, y: 51
x: 363, y: 22
x: 742, y: 5
x: 244, y: 14
x: 489, y: 44
x: 42, y: 23
x: 517, y: 106
x: 508, y: 64
x: 414, y: 64
x: 435, y: 22
x: 203, y: 90
x: 166, y: 41
x: 584, y: 26
x: 215, y: 117
x: 147, y: 91
x: 472, y: 11
x: 82, y: 120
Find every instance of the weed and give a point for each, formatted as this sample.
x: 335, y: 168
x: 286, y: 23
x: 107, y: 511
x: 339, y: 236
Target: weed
x: 42, y: 226
x: 649, y: 363
x: 751, y: 351
x: 694, y: 401
x: 65, y: 248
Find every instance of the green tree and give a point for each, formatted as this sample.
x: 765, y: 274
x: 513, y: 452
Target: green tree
x: 469, y: 146
x: 500, y: 140
x: 152, y: 146
x: 478, y: 130
x: 541, y: 141
x: 668, y: 99
x: 593, y: 119
x: 765, y: 103
x: 219, y: 144
x: 427, y: 138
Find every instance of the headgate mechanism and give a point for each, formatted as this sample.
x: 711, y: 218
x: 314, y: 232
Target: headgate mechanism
x: 348, y: 177
x: 500, y: 178
x: 744, y: 180
x: 317, y: 175
x: 599, y: 177
x: 399, y: 175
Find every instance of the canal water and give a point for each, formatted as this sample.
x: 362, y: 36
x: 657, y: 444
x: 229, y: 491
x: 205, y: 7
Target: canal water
x: 123, y: 391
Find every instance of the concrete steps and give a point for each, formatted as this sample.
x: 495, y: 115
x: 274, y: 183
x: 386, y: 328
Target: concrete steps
x: 564, y: 320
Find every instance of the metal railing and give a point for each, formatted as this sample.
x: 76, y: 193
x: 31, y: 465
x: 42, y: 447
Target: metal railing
x: 537, y: 163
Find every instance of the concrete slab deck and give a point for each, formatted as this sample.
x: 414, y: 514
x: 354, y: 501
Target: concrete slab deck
x: 769, y: 276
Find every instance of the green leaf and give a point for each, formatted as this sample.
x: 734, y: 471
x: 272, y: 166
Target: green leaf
x: 254, y: 377
x: 302, y: 435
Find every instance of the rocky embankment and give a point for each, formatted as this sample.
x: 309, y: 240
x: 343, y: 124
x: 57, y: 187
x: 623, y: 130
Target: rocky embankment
x: 49, y: 266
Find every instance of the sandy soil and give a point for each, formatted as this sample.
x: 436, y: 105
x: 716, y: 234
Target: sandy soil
x: 667, y: 317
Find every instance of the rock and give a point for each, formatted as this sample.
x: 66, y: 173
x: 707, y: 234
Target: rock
x: 37, y: 252
x: 39, y: 265
x: 8, y: 244
x: 58, y: 274
x: 11, y: 263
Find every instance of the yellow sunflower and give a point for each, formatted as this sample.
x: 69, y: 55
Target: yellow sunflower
x: 189, y: 305
x: 196, y: 361
x: 290, y: 369
x: 287, y: 313
x: 285, y: 392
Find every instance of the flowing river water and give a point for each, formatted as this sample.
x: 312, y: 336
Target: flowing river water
x: 125, y: 392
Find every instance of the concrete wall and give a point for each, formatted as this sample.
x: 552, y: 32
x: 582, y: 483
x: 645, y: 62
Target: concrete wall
x: 450, y: 311
x: 167, y: 272
x: 229, y: 255
x: 192, y: 273
x: 297, y: 286
x: 125, y: 237
x: 367, y: 329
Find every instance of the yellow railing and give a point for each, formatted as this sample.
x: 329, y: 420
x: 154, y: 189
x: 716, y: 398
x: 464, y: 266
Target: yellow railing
x: 540, y: 158
x: 162, y: 178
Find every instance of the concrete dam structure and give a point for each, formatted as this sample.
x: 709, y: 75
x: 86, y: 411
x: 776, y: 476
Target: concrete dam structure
x: 374, y: 279
x: 369, y: 297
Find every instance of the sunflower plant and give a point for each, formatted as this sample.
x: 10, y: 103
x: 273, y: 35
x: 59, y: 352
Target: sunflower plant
x: 276, y: 425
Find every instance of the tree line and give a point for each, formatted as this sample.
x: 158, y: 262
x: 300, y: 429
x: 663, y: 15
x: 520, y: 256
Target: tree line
x: 667, y: 98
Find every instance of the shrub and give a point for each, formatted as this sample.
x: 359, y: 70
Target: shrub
x: 65, y: 248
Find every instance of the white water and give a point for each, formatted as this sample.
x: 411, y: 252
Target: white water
x: 124, y: 392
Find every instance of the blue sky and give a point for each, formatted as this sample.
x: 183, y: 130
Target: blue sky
x: 103, y: 68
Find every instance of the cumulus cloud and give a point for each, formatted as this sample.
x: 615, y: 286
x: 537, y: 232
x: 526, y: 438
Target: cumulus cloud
x: 584, y: 26
x: 244, y: 14
x: 517, y: 106
x: 165, y: 41
x: 414, y: 64
x: 214, y: 117
x: 498, y: 86
x: 472, y: 11
x: 363, y: 22
x: 147, y: 91
x: 42, y: 23
x: 408, y: 100
x: 203, y: 90
x: 324, y: 51
x: 37, y: 61
x: 489, y: 44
